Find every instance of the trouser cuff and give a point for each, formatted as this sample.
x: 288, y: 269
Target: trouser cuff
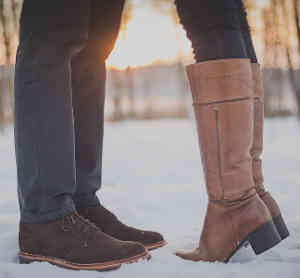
x: 53, y: 215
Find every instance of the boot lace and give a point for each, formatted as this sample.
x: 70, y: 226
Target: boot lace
x: 84, y: 226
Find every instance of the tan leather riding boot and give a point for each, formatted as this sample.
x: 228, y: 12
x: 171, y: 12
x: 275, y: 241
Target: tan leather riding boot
x: 256, y: 151
x: 222, y: 94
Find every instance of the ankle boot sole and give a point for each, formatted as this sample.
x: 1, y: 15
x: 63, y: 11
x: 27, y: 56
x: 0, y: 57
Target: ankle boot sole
x: 262, y: 239
x: 156, y: 245
x: 281, y: 227
x: 26, y: 258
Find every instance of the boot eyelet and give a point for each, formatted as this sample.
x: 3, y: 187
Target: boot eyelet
x: 73, y: 219
x: 65, y: 229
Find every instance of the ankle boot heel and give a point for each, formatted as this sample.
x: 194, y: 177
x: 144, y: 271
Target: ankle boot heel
x: 265, y: 237
x: 281, y: 227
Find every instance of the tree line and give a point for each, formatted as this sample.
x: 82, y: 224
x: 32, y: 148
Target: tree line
x: 276, y: 30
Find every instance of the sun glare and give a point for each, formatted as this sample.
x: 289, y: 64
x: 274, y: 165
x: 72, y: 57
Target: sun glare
x: 149, y: 38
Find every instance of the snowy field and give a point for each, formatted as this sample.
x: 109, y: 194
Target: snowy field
x: 152, y: 179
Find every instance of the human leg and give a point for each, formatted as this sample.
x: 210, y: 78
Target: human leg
x: 222, y: 88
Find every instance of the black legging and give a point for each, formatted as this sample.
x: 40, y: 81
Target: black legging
x: 217, y: 29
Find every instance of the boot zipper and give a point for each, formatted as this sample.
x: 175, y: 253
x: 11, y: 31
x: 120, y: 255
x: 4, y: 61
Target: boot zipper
x: 237, y: 242
x: 219, y: 149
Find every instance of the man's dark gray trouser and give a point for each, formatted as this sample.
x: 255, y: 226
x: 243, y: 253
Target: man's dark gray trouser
x: 59, y: 103
x: 60, y: 90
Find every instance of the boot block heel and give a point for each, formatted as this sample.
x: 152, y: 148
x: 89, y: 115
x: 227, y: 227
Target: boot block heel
x: 281, y: 227
x: 264, y: 238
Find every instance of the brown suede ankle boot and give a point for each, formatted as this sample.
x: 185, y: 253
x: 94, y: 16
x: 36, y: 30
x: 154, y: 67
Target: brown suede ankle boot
x: 222, y: 94
x: 112, y: 226
x: 256, y: 151
x: 73, y: 242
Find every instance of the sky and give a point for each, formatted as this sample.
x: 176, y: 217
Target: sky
x: 150, y: 37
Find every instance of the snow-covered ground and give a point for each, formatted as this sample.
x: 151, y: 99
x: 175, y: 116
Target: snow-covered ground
x: 152, y: 179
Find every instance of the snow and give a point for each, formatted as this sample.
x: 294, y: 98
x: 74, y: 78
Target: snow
x: 153, y: 180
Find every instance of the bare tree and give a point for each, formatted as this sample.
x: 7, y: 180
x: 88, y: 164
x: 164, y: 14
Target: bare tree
x: 6, y: 77
x: 129, y: 80
x: 116, y: 95
x: 5, y: 32
x: 15, y: 7
x: 126, y: 17
x: 293, y: 10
